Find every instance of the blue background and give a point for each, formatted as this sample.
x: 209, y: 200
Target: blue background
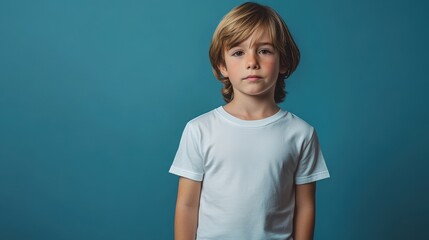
x: 94, y: 96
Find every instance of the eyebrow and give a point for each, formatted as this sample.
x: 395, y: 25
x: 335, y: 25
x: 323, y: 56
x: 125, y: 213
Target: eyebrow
x: 263, y: 43
x: 255, y: 43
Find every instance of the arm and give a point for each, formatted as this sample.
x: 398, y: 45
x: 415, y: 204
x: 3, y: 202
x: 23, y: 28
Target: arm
x: 305, y: 211
x: 186, y: 217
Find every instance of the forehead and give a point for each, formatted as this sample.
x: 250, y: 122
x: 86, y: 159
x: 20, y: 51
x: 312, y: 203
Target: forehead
x: 257, y: 35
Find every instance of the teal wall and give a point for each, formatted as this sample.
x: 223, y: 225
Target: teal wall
x: 94, y: 96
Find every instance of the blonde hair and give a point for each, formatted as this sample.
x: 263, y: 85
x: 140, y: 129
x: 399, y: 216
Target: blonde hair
x: 238, y: 25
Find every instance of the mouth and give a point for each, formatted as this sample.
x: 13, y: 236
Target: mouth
x: 252, y: 78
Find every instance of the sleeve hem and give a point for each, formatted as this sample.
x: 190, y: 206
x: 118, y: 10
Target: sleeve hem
x: 184, y: 173
x: 312, y: 178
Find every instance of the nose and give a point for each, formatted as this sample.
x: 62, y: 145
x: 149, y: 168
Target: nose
x: 252, y: 62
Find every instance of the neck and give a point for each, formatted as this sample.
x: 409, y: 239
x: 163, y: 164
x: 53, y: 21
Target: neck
x: 251, y: 107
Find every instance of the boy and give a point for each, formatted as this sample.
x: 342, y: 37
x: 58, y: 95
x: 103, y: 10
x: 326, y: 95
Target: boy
x: 248, y: 169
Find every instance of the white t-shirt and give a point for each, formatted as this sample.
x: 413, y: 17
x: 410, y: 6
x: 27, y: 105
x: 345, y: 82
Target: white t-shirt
x: 249, y: 169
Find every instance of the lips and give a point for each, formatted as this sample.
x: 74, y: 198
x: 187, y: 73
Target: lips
x: 252, y: 78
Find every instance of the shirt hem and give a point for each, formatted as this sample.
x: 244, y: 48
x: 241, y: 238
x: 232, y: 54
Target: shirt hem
x: 187, y: 174
x: 312, y: 178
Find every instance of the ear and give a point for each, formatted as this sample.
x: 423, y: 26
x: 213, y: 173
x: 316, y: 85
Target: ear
x: 223, y: 70
x: 283, y: 70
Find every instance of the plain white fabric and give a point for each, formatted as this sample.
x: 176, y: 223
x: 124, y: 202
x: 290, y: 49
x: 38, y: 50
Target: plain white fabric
x: 249, y: 169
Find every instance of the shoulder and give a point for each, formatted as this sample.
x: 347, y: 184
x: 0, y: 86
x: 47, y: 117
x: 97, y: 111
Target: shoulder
x: 298, y: 129
x: 202, y: 122
x: 298, y: 124
x: 202, y: 125
x: 203, y: 118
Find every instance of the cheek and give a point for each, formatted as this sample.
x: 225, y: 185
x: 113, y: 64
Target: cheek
x: 231, y: 66
x: 272, y: 65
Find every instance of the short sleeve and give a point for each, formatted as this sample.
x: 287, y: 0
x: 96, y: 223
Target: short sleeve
x: 188, y: 161
x: 311, y: 166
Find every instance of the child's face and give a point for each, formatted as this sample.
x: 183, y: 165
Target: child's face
x: 253, y: 66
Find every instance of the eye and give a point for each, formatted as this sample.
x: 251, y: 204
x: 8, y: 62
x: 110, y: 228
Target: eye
x: 265, y: 51
x: 237, y: 53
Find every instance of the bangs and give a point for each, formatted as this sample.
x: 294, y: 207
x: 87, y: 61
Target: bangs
x: 242, y: 28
